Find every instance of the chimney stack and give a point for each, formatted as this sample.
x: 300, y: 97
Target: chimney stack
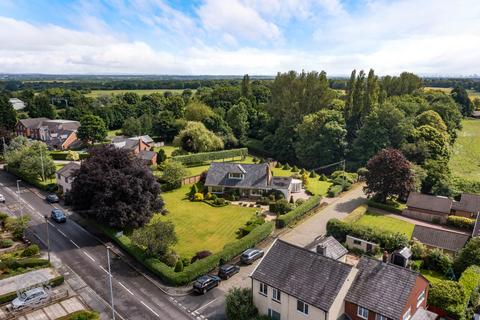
x: 385, y: 257
x: 322, y: 249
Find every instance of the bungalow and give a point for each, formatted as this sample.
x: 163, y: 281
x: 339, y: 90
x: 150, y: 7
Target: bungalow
x: 250, y: 180
x: 65, y: 176
x: 140, y: 146
x: 292, y: 282
x: 57, y: 134
x: 448, y: 241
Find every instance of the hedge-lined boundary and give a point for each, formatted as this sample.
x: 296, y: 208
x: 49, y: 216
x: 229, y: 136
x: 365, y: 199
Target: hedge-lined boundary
x: 356, y: 214
x: 210, y: 156
x: 33, y: 182
x: 461, y: 222
x: 390, y: 241
x: 81, y: 315
x: 297, y: 213
x: 62, y: 155
x: 384, y: 206
x: 198, y: 268
x: 7, y: 297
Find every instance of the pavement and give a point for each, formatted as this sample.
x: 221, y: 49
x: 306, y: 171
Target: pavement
x: 81, y: 253
x: 30, y: 280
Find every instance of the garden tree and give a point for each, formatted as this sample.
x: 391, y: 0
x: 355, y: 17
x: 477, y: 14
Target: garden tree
x: 337, y: 104
x: 115, y: 188
x: 131, y: 127
x: 406, y: 83
x: 386, y: 127
x: 239, y: 304
x: 155, y: 102
x: 5, y: 136
x: 419, y: 175
x: 245, y: 87
x: 17, y: 226
x: 372, y: 92
x: 156, y: 237
x: 161, y: 156
x: 349, y: 88
x: 176, y: 105
x: 476, y: 104
x: 438, y: 178
x: 41, y: 107
x: 73, y: 156
x: 237, y: 119
x: 221, y: 96
x: 28, y: 157
x: 436, y: 142
x: 8, y: 117
x: 166, y: 126
x: 449, y: 296
x: 92, y: 129
x: 432, y: 119
x: 460, y: 95
x: 261, y: 92
x: 448, y: 110
x: 196, y: 138
x: 468, y: 256
x: 173, y: 173
x: 186, y: 95
x: 409, y: 105
x: 281, y: 144
x: 131, y: 97
x: 197, y: 111
x: 389, y: 174
x: 321, y: 138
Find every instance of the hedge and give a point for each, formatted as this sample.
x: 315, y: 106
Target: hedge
x: 298, y: 212
x: 448, y: 296
x: 200, y: 267
x: 62, y: 155
x: 391, y: 207
x: 334, y: 190
x: 470, y: 280
x: 7, y: 297
x: 33, y: 182
x: 256, y: 147
x: 210, y: 156
x: 81, y: 315
x: 356, y: 214
x: 461, y: 222
x: 23, y: 263
x: 390, y: 241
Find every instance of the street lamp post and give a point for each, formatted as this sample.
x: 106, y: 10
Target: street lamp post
x: 48, y: 237
x: 110, y: 283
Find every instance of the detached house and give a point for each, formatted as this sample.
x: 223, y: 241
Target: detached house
x: 57, y: 134
x: 250, y: 180
x: 295, y: 283
x: 140, y: 146
x: 65, y: 176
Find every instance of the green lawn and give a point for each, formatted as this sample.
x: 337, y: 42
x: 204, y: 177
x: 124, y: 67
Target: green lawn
x: 383, y: 222
x: 200, y: 226
x: 432, y: 276
x: 314, y: 185
x: 168, y: 150
x: 465, y: 160
x: 114, y: 133
x: 96, y: 93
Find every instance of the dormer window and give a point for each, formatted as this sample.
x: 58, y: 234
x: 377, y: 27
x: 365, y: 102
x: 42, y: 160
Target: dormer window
x: 235, y: 175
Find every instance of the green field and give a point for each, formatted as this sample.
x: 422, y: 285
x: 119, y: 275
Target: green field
x: 200, y: 226
x: 471, y: 93
x: 386, y: 223
x: 168, y: 150
x: 465, y: 160
x: 96, y: 93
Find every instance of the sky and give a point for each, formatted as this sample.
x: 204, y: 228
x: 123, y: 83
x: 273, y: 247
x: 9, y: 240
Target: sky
x: 235, y: 37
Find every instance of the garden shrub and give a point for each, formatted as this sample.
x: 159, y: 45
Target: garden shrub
x: 362, y: 173
x: 313, y: 174
x: 179, y: 266
x: 202, y: 157
x: 264, y: 201
x: 351, y: 177
x: 438, y: 261
x: 62, y: 155
x: 170, y: 259
x: 286, y: 166
x: 6, y: 243
x: 275, y: 194
x: 334, y: 190
x: 81, y: 315
x: 448, y: 296
x: 390, y: 206
x: 31, y: 250
x: 210, y: 196
x: 356, y: 214
x: 280, y: 207
x: 461, y: 222
x: 294, y: 169
x: 198, y: 197
x: 303, y: 171
x: 470, y: 280
x: 345, y: 184
x: 193, y: 190
x: 468, y: 255
x: 278, y: 165
x: 323, y: 177
x: 390, y: 241
x: 3, y: 217
x: 297, y: 213
x: 201, y: 255
x: 418, y: 249
x: 239, y: 304
x: 219, y: 202
x: 299, y: 201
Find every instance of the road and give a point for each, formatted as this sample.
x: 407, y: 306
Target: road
x: 135, y: 296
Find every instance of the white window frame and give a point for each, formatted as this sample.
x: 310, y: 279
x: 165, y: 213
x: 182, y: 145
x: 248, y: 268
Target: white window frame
x: 256, y: 192
x: 408, y: 314
x: 421, y: 298
x: 235, y: 175
x: 362, y: 312
x: 271, y: 311
x: 276, y: 295
x: 263, y: 289
x: 305, y: 307
x: 380, y: 317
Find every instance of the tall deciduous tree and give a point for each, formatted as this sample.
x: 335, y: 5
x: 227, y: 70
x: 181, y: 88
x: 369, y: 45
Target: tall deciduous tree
x: 460, y: 95
x: 389, y: 174
x: 237, y: 119
x: 31, y: 159
x: 239, y: 304
x: 8, y: 117
x: 92, y: 129
x: 41, y: 107
x: 246, y: 88
x: 196, y: 138
x: 173, y: 173
x: 115, y: 188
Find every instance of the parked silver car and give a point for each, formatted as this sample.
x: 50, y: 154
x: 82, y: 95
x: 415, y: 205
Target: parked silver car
x: 30, y: 298
x: 250, y: 255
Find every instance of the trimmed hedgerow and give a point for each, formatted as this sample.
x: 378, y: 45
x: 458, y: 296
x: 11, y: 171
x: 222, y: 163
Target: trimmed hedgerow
x: 461, y: 222
x: 389, y: 206
x: 297, y: 213
x: 210, y: 156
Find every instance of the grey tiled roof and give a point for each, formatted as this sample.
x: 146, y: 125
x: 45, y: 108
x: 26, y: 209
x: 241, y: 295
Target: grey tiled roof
x: 381, y: 287
x: 69, y: 169
x: 335, y: 250
x: 255, y: 175
x: 443, y: 239
x: 302, y: 274
x: 427, y: 202
x: 32, y: 123
x: 146, y: 155
x: 468, y: 202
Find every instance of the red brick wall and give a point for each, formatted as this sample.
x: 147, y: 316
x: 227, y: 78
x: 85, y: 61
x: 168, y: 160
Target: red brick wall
x: 351, y: 311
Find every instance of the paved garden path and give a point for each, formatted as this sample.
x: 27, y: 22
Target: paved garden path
x: 316, y: 225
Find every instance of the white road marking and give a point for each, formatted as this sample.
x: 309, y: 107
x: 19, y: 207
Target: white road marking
x: 62, y: 233
x: 146, y: 306
x: 91, y: 258
x: 76, y: 245
x: 125, y: 288
x: 104, y: 270
x: 52, y: 225
x: 198, y: 309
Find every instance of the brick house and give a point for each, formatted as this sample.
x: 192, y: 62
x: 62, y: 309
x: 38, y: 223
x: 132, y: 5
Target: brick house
x: 140, y: 146
x: 293, y: 283
x: 57, y: 134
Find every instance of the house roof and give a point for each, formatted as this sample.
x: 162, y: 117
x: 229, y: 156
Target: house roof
x: 146, y: 155
x: 255, y: 175
x: 69, y: 169
x: 130, y: 143
x: 428, y: 202
x: 422, y: 314
x: 376, y: 287
x: 438, y: 238
x: 17, y: 103
x: 404, y: 252
x: 303, y: 274
x: 32, y: 123
x: 468, y: 202
x: 335, y: 250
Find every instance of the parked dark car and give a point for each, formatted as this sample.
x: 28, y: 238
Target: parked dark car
x: 205, y: 283
x: 227, y: 270
x: 250, y: 255
x: 52, y: 198
x: 58, y: 215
